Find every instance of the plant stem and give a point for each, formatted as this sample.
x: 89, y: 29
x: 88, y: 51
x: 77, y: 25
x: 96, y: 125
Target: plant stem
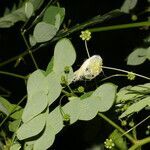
x: 117, y: 127
x: 13, y: 75
x: 5, y: 90
x: 28, y: 49
x: 13, y: 110
x: 86, y: 47
x: 118, y: 27
x: 139, y: 143
x: 121, y: 70
x: 20, y: 55
x: 115, y: 75
x: 137, y: 125
x: 95, y: 20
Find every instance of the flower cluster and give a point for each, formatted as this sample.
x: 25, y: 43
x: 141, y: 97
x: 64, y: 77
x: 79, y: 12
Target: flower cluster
x: 85, y: 35
x: 131, y: 75
x: 109, y: 143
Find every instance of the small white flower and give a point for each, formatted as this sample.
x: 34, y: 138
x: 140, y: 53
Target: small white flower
x: 91, y: 68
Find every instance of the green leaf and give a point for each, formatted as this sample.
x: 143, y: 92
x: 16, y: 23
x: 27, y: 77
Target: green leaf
x: 53, y: 86
x: 72, y: 108
x: 86, y: 95
x: 47, y: 138
x: 106, y: 94
x: 64, y: 55
x: 29, y: 9
x: 36, y: 83
x: 8, y: 108
x: 49, y: 68
x: 118, y: 140
x: 148, y: 53
x: 137, y: 57
x: 132, y: 93
x: 15, y: 147
x: 124, y: 95
x: 6, y: 12
x: 32, y: 127
x: 57, y: 21
x: 136, y: 107
x: 88, y: 108
x: 35, y: 105
x: 32, y: 40
x: 44, y: 32
x: 4, y: 106
x: 13, y: 125
x: 55, y: 119
x: 54, y: 15
x: 128, y: 5
x: 36, y: 3
x: 17, y: 113
x: 10, y: 19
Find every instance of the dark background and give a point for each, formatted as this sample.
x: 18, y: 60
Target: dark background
x: 112, y: 46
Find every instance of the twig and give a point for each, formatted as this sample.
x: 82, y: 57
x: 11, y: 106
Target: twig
x: 96, y: 20
x: 117, y: 127
x: 86, y: 47
x: 121, y: 70
x: 13, y: 75
x: 122, y: 26
x: 28, y: 49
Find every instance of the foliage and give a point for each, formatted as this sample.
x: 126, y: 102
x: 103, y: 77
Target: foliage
x: 36, y: 125
x: 136, y: 98
x: 19, y: 14
x: 138, y: 56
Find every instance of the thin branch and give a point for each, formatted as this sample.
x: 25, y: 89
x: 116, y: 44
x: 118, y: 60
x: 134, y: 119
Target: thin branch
x: 122, y: 26
x: 121, y: 70
x: 117, y: 127
x: 28, y: 49
x: 86, y: 47
x: 115, y: 75
x: 13, y: 75
x: 96, y: 20
x: 139, y: 143
x: 136, y: 125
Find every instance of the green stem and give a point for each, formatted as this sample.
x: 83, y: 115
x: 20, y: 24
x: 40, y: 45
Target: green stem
x: 137, y: 125
x: 115, y: 75
x: 5, y: 90
x: 96, y: 20
x: 121, y: 70
x: 28, y: 49
x: 20, y: 55
x: 13, y: 75
x: 4, y: 120
x: 86, y: 47
x: 122, y: 26
x: 60, y: 107
x: 139, y: 143
x: 117, y: 127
